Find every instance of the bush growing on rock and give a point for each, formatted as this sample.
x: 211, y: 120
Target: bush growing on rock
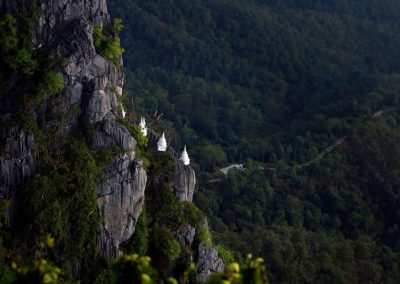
x: 109, y: 46
x: 14, y: 53
x: 139, y: 242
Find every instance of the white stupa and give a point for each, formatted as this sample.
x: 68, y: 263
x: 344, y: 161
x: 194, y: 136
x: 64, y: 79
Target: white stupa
x: 143, y: 127
x: 162, y: 144
x: 185, y: 157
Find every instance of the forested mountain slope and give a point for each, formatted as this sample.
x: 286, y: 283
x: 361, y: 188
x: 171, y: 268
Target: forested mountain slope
x: 272, y: 86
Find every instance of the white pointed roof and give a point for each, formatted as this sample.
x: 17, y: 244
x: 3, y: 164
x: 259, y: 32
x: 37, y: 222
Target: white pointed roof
x: 162, y: 144
x: 185, y: 157
x: 142, y: 125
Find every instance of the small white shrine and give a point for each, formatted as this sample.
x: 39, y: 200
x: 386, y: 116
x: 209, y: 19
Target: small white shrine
x: 185, y: 157
x: 162, y: 144
x: 142, y: 125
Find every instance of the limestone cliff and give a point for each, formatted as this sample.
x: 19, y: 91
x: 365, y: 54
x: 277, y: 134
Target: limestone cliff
x: 184, y: 179
x: 89, y: 104
x: 182, y: 183
x: 208, y: 262
x: 92, y: 84
x: 206, y: 258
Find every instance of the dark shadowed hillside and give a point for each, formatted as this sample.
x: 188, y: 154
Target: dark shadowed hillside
x: 306, y: 95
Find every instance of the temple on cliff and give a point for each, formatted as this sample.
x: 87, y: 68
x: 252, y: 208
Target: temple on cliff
x: 162, y: 144
x: 185, y: 157
x: 143, y: 127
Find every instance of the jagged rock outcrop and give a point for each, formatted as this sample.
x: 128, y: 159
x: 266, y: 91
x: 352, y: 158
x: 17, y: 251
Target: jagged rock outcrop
x: 208, y: 262
x: 183, y: 185
x: 206, y: 258
x: 120, y: 200
x: 17, y: 162
x: 89, y: 105
x: 184, y: 181
x: 185, y: 235
x: 112, y: 133
x: 88, y: 101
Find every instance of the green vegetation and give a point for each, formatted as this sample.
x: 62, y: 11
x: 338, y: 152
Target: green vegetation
x: 167, y: 217
x: 61, y: 202
x: 304, y: 93
x: 51, y: 84
x: 40, y: 271
x: 226, y: 255
x: 33, y: 72
x: 105, y: 157
x: 139, y: 242
x: 135, y: 132
x: 136, y: 269
x: 160, y: 165
x: 164, y: 244
x: 133, y: 269
x: 15, y: 52
x: 203, y: 235
x: 4, y: 214
x: 253, y: 272
x: 272, y: 84
x: 108, y: 44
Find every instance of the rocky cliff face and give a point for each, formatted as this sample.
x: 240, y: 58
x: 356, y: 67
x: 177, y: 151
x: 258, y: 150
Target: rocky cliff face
x: 184, y: 182
x: 18, y: 162
x: 89, y: 104
x: 208, y: 262
x: 184, y: 179
x: 92, y: 85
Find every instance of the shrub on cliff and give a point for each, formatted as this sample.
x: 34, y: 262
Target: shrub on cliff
x: 139, y: 242
x: 109, y: 46
x: 14, y: 53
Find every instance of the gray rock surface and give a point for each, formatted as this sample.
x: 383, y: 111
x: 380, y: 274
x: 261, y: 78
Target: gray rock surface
x: 208, y: 262
x: 112, y: 133
x: 184, y: 181
x: 18, y: 163
x: 184, y: 177
x: 120, y: 200
x: 183, y: 186
x: 87, y: 101
x: 185, y: 235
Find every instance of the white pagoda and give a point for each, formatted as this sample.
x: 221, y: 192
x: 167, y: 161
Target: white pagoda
x: 162, y: 144
x: 142, y: 125
x: 185, y: 157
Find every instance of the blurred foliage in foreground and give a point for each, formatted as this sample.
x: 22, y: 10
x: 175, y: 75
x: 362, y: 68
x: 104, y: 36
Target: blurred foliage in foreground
x: 131, y: 269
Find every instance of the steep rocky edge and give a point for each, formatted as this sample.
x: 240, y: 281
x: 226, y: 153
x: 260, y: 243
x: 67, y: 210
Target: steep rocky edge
x: 183, y: 184
x: 92, y: 85
x: 88, y: 104
x: 206, y: 258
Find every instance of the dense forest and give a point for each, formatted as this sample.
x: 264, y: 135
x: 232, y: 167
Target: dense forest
x: 306, y: 95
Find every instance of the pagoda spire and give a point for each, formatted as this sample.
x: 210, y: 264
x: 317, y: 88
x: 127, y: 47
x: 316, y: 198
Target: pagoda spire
x: 142, y: 125
x: 162, y: 144
x: 185, y: 157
